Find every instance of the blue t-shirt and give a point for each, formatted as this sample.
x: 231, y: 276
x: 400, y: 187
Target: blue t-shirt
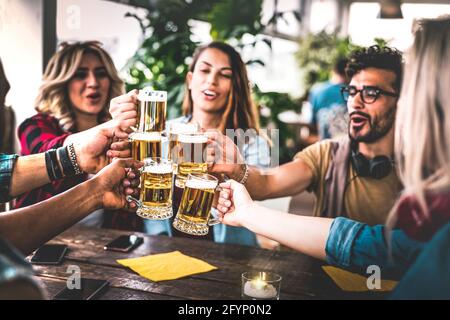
x: 323, y: 96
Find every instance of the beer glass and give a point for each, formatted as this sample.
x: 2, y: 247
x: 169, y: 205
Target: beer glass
x: 145, y: 145
x: 194, y: 214
x: 155, y: 200
x: 175, y: 129
x: 191, y: 156
x: 151, y: 111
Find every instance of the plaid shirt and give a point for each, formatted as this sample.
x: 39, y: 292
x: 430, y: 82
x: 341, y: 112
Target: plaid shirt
x: 6, y: 168
x: 41, y: 133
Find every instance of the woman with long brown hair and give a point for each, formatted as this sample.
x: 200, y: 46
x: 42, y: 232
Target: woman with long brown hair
x: 218, y: 97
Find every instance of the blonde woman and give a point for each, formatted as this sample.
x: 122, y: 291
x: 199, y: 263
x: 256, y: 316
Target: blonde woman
x: 72, y: 105
x: 421, y: 213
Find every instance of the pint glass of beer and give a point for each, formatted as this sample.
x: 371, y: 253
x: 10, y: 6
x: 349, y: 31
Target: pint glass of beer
x: 155, y: 200
x: 175, y: 129
x: 194, y: 213
x: 191, y: 156
x: 151, y: 111
x: 145, y: 145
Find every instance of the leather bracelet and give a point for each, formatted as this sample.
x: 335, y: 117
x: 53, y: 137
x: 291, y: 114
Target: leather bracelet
x: 55, y: 164
x: 73, y: 159
x: 49, y: 167
x: 51, y: 163
x: 66, y: 164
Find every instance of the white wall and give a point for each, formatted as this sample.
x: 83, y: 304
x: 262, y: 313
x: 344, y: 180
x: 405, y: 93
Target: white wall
x: 100, y: 20
x: 21, y: 52
x: 364, y: 25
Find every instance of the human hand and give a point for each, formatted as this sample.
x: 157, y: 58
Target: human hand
x: 91, y: 146
x: 123, y: 110
x: 223, y: 156
x: 111, y: 182
x: 234, y: 204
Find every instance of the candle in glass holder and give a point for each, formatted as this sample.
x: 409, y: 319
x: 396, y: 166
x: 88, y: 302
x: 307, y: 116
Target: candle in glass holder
x: 260, y: 285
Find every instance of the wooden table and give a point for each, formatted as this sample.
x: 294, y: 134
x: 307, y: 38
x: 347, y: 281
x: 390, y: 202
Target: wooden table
x: 303, y: 277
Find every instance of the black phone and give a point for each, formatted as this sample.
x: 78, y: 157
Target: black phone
x: 124, y: 243
x: 49, y: 254
x: 89, y: 290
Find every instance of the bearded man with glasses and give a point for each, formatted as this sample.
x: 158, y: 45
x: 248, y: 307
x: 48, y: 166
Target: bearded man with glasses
x: 352, y: 176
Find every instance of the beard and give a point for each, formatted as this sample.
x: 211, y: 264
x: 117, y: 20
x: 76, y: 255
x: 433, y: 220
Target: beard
x: 378, y: 127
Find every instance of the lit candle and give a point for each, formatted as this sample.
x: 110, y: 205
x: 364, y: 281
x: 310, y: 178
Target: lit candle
x: 259, y: 289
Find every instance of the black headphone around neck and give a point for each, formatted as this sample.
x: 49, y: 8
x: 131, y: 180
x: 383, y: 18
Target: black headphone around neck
x: 377, y: 168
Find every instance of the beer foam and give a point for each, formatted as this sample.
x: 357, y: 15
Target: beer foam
x: 183, y: 128
x: 162, y: 168
x: 146, y: 136
x: 148, y: 94
x: 201, y: 184
x: 184, y: 138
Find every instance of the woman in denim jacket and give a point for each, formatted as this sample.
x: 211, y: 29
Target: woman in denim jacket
x: 417, y: 235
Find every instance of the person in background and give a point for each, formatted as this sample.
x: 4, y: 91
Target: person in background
x: 217, y: 97
x: 327, y: 102
x: 78, y: 84
x: 416, y: 250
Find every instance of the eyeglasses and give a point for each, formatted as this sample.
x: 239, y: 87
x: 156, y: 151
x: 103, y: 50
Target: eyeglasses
x: 369, y: 94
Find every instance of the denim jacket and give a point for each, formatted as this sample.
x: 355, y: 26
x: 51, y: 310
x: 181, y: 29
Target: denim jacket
x: 6, y: 168
x: 255, y: 153
x: 429, y: 276
x: 355, y: 246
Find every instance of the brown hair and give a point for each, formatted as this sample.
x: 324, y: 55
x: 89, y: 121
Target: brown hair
x: 240, y: 111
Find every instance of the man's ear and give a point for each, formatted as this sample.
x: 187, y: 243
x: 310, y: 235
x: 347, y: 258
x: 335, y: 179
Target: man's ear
x: 189, y: 79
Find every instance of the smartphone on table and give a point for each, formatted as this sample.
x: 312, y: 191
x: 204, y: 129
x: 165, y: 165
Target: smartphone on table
x: 49, y: 254
x: 124, y: 243
x: 89, y: 290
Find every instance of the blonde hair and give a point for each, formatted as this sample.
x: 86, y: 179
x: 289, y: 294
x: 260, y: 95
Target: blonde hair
x: 422, y: 134
x: 53, y: 98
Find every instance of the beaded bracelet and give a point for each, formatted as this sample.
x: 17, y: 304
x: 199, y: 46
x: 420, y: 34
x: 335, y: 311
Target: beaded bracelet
x: 245, y: 176
x: 73, y: 159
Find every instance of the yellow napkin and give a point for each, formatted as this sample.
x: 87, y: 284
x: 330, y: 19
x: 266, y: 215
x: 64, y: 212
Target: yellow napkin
x: 166, y: 266
x: 349, y: 281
